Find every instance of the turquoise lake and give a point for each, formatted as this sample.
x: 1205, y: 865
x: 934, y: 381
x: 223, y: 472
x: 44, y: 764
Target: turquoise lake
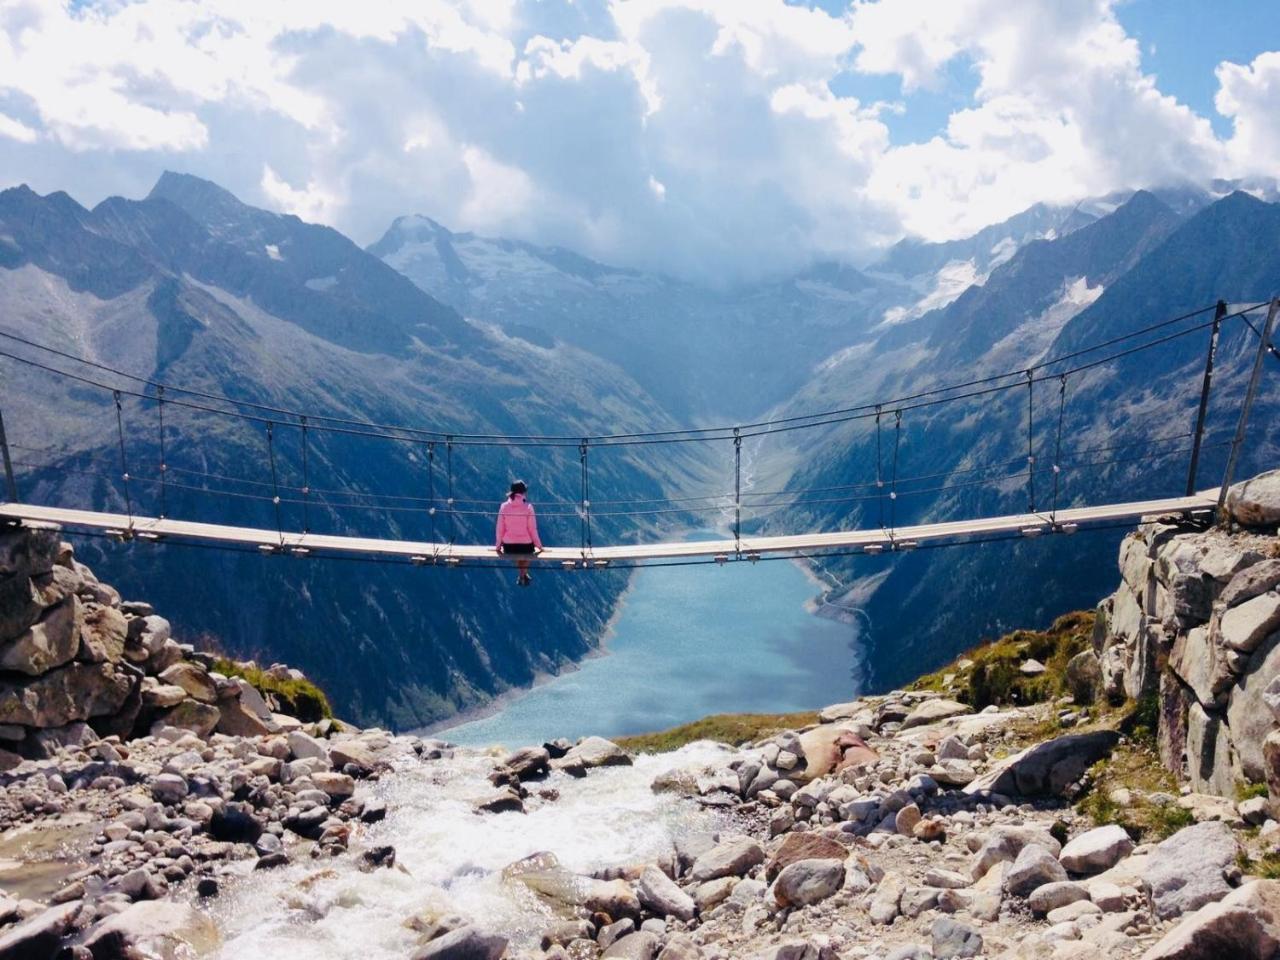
x: 689, y: 641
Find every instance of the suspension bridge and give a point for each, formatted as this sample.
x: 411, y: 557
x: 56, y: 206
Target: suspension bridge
x: 1042, y: 517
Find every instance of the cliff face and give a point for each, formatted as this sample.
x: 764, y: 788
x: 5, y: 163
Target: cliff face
x: 1195, y: 624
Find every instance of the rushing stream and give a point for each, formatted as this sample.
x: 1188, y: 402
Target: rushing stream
x: 452, y: 860
x: 688, y: 642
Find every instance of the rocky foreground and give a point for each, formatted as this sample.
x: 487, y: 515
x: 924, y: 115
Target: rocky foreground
x: 908, y: 825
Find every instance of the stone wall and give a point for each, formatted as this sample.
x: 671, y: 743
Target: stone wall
x: 78, y: 663
x: 1195, y: 624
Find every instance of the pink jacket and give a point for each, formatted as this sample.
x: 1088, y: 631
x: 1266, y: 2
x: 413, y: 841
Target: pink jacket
x: 516, y: 522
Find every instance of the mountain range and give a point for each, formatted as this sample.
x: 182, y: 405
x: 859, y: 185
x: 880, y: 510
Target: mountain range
x: 438, y: 330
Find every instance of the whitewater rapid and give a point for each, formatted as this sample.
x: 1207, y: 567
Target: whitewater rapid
x: 450, y: 859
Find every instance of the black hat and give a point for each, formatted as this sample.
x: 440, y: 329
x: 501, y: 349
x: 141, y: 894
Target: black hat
x: 518, y: 486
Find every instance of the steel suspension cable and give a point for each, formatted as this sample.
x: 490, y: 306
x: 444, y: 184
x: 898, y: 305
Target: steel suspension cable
x: 879, y: 471
x: 453, y: 517
x: 1031, y: 453
x: 431, y: 488
x: 893, y: 491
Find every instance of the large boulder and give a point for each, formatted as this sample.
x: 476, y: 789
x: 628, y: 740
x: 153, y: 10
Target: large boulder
x: 1190, y: 869
x: 660, y: 895
x: 163, y: 929
x: 932, y: 711
x: 1251, y: 582
x: 1249, y: 714
x: 200, y: 718
x: 543, y: 874
x: 1199, y: 659
x: 594, y: 752
x: 806, y: 882
x: 1096, y: 850
x: 51, y: 641
x: 76, y: 691
x: 1210, y: 754
x: 1034, y: 867
x: 39, y: 936
x: 1246, y: 626
x: 102, y: 634
x: 1048, y: 768
x: 1256, y: 502
x: 464, y: 943
x: 192, y: 678
x: 1244, y: 925
x: 729, y: 858
x: 806, y: 845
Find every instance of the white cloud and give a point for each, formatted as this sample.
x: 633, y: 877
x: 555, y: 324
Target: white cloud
x: 698, y: 136
x: 16, y: 130
x: 1250, y: 96
x: 313, y: 202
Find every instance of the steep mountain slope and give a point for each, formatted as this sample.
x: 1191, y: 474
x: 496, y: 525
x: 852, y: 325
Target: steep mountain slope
x: 195, y: 288
x: 698, y: 350
x: 1128, y: 269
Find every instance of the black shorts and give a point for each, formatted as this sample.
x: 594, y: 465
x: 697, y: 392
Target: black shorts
x: 517, y: 548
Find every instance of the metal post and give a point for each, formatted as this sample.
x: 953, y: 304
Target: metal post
x: 1057, y: 446
x: 453, y: 519
x: 10, y: 485
x: 1194, y: 468
x: 275, y: 485
x: 431, y: 489
x: 893, y: 488
x: 1264, y: 345
x: 879, y: 470
x: 737, y: 490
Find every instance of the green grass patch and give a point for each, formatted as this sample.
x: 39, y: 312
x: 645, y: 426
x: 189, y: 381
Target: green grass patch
x: 1266, y: 867
x: 1136, y: 767
x: 996, y: 677
x: 1250, y: 791
x: 731, y: 728
x: 298, y: 698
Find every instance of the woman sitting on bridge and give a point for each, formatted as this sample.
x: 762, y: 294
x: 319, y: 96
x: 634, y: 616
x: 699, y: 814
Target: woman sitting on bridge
x: 518, y: 530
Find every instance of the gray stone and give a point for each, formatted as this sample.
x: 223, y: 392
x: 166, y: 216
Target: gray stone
x: 931, y: 711
x: 527, y: 763
x: 729, y: 858
x: 1244, y: 925
x: 1210, y: 759
x: 887, y: 899
x: 1051, y: 896
x: 39, y: 936
x: 641, y: 945
x: 954, y: 939
x: 595, y: 752
x: 1096, y: 850
x: 192, y: 678
x: 102, y: 634
x: 1084, y: 677
x: 1034, y: 867
x: 1199, y: 659
x: 660, y: 895
x: 154, y: 928
x: 1190, y: 868
x: 50, y: 642
x: 1256, y: 502
x: 200, y: 718
x: 1251, y: 582
x: 807, y: 882
x: 1249, y: 714
x: 1246, y: 626
x: 1047, y: 768
x: 76, y: 691
x: 464, y: 943
x: 169, y: 787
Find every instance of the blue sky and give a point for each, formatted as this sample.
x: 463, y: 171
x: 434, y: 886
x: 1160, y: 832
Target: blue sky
x: 711, y: 138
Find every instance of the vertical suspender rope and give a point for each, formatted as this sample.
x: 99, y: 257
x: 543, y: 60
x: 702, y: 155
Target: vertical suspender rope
x: 164, y: 466
x: 1237, y: 442
x: 893, y: 489
x: 879, y: 471
x: 586, y: 500
x: 1031, y: 433
x: 124, y: 462
x: 1202, y: 412
x: 453, y: 519
x: 306, y: 480
x: 10, y: 484
x: 737, y: 491
x: 275, y: 487
x: 1057, y: 446
x: 431, y: 489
